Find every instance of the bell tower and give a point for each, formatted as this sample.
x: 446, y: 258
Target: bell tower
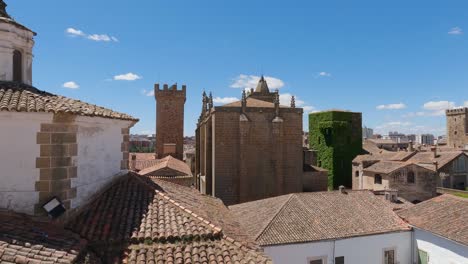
x: 170, y: 121
x: 16, y: 44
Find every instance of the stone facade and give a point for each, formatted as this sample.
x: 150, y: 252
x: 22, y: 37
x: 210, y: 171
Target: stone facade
x: 170, y: 121
x: 457, y: 127
x: 250, y: 149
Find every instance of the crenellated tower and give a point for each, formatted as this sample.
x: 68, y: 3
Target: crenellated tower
x: 170, y: 121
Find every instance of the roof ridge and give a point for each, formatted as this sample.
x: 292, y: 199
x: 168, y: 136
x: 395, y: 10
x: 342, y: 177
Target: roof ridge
x: 274, y: 216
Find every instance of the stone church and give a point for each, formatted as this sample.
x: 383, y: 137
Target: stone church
x: 250, y: 149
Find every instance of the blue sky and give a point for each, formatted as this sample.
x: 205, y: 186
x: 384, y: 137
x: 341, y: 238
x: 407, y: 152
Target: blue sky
x: 399, y: 62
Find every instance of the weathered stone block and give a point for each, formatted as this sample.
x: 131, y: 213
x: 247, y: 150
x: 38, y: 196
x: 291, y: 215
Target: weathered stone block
x: 42, y: 163
x: 72, y: 172
x: 63, y: 138
x: 43, y: 138
x: 42, y: 186
x: 60, y: 185
x: 58, y: 173
x: 60, y: 162
x: 64, y: 118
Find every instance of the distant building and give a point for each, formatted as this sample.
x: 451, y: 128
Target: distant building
x: 425, y: 139
x: 411, y: 137
x: 397, y: 137
x: 170, y: 121
x: 440, y: 229
x: 367, y: 132
x: 52, y: 147
x: 328, y: 227
x: 457, y: 128
x: 387, y: 144
x: 337, y: 138
x: 250, y: 149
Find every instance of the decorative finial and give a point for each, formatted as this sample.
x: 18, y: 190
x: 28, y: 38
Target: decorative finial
x: 243, y: 101
x: 3, y: 12
x: 293, y: 102
x: 210, y: 101
x: 277, y: 104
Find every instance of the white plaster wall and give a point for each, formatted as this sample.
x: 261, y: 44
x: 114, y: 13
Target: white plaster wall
x: 13, y: 38
x: 358, y: 250
x: 99, y: 155
x: 440, y: 250
x: 18, y: 153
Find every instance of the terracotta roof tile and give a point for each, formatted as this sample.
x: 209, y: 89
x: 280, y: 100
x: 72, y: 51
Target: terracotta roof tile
x: 23, y: 240
x: 445, y: 216
x: 168, y: 162
x: 17, y: 97
x: 306, y: 217
x: 152, y: 220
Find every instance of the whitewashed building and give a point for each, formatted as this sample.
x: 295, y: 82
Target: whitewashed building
x: 352, y: 227
x: 50, y: 145
x: 440, y: 230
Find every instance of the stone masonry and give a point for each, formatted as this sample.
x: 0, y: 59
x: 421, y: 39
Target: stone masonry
x: 250, y: 149
x: 457, y: 127
x: 170, y: 121
x: 58, y: 148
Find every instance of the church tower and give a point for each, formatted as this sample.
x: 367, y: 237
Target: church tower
x: 16, y: 44
x: 170, y: 121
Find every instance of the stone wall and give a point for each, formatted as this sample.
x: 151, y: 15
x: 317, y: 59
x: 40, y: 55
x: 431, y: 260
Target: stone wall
x: 170, y: 120
x: 457, y: 127
x: 252, y: 157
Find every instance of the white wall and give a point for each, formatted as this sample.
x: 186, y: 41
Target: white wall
x: 18, y: 153
x: 99, y: 155
x: 440, y: 250
x: 357, y: 250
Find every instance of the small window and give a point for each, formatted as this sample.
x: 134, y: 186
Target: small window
x: 319, y: 164
x: 356, y: 174
x: 316, y: 261
x: 410, y: 177
x: 389, y: 256
x: 455, y: 132
x: 378, y: 179
x: 339, y: 260
x: 17, y: 66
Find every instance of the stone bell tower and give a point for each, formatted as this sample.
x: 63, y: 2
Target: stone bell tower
x: 16, y: 44
x: 170, y: 121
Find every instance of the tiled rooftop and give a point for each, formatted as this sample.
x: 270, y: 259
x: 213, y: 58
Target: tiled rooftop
x: 17, y: 97
x: 445, y: 215
x: 23, y: 240
x: 168, y: 162
x: 308, y: 217
x: 156, y: 220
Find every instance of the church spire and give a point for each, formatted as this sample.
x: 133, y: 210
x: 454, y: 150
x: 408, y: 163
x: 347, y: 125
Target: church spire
x: 3, y: 12
x: 262, y: 86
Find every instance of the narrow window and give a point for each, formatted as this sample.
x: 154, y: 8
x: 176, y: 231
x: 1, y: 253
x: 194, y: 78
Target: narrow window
x: 316, y: 261
x: 423, y: 257
x: 410, y: 177
x: 389, y: 256
x: 378, y: 179
x: 339, y: 260
x: 17, y: 66
x: 356, y: 174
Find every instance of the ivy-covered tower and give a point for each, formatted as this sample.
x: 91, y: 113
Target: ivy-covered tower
x: 337, y: 137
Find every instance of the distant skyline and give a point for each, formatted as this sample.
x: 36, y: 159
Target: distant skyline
x: 400, y: 63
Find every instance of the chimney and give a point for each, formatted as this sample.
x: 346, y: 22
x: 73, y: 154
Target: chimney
x: 434, y: 150
x: 391, y: 195
x: 342, y: 189
x: 411, y: 147
x: 133, y: 162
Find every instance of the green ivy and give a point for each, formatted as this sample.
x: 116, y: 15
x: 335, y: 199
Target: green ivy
x: 337, y: 137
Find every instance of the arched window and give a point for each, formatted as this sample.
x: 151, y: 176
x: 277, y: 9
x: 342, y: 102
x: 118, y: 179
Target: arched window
x: 356, y: 174
x: 410, y: 177
x: 17, y: 66
x: 378, y: 179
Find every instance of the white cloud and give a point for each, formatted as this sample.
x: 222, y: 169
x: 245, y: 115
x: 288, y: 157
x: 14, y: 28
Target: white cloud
x: 456, y: 31
x: 75, y: 32
x: 71, y: 85
x: 244, y: 81
x: 324, y: 74
x: 147, y: 92
x: 224, y: 100
x: 391, y: 106
x: 465, y: 104
x: 437, y: 108
x: 95, y: 37
x: 127, y: 77
x: 285, y: 99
